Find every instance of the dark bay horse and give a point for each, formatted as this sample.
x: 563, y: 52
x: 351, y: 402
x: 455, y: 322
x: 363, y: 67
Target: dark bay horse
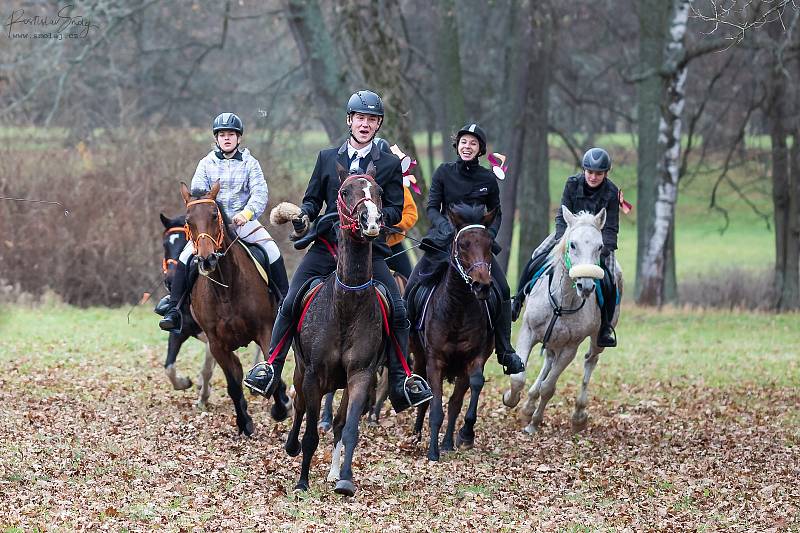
x: 340, y: 343
x: 455, y: 340
x: 174, y: 241
x: 230, y: 301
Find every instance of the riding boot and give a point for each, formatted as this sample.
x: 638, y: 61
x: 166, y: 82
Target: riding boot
x: 518, y: 299
x: 277, y: 273
x: 606, y: 337
x: 404, y: 390
x: 262, y: 378
x: 172, y: 316
x: 506, y: 355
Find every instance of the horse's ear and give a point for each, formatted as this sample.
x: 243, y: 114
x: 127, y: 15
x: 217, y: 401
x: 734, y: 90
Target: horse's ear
x: 600, y: 219
x: 454, y: 218
x: 371, y: 170
x: 214, y: 191
x: 185, y: 193
x: 341, y: 172
x: 164, y: 220
x: 488, y: 218
x: 569, y: 218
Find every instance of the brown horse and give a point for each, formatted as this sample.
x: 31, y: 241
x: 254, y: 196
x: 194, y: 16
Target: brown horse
x: 230, y: 301
x: 455, y: 340
x: 340, y: 342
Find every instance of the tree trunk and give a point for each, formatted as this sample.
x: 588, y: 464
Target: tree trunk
x: 518, y: 88
x: 318, y: 55
x: 533, y: 198
x: 450, y: 104
x: 655, y: 255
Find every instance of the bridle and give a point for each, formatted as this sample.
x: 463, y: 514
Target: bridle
x: 166, y: 262
x: 196, y: 240
x: 457, y: 260
x: 348, y: 219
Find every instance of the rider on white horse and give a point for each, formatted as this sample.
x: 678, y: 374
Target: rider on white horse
x: 589, y: 191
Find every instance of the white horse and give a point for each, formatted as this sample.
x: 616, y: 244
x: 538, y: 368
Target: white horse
x: 563, y: 302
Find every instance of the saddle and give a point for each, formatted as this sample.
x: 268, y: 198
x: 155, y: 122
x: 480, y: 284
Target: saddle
x: 309, y: 290
x: 420, y: 297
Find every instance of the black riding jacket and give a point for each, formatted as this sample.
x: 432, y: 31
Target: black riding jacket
x: 578, y: 196
x: 460, y: 181
x: 323, y: 188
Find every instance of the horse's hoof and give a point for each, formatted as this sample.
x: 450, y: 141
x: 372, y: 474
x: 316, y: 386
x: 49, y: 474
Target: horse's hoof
x: 293, y: 448
x: 301, y: 485
x: 510, y: 399
x: 246, y: 428
x: 447, y: 447
x: 183, y: 384
x: 332, y: 479
x: 433, y: 456
x: 579, y: 424
x: 278, y: 412
x: 323, y: 427
x: 464, y: 443
x: 530, y: 429
x: 345, y: 487
x: 201, y: 405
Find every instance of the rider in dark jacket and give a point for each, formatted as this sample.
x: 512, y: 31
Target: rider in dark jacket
x: 364, y: 117
x: 466, y: 181
x: 589, y: 191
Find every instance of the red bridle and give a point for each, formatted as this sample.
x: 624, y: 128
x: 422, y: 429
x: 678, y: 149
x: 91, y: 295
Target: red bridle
x: 347, y: 216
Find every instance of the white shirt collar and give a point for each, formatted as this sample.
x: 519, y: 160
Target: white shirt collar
x: 362, y: 152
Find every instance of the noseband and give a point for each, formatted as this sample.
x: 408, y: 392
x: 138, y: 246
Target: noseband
x: 196, y: 240
x: 457, y: 259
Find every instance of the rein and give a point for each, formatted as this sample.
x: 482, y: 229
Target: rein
x: 457, y: 261
x: 347, y: 218
x: 558, y: 310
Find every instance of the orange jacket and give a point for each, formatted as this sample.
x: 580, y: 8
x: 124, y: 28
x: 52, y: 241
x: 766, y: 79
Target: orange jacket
x: 408, y: 220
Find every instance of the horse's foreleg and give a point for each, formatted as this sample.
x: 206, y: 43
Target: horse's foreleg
x: 420, y: 419
x: 437, y: 413
x: 281, y: 403
x: 580, y: 417
x: 313, y: 399
x: 525, y: 342
x: 292, y: 440
x: 326, y: 417
x: 338, y: 426
x: 204, y: 379
x: 533, y: 393
x: 174, y: 344
x: 232, y: 368
x: 548, y: 387
x: 466, y: 435
x: 453, y: 410
x: 358, y: 392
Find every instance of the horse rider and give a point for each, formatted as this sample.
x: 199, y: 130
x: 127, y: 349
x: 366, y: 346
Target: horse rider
x: 590, y: 191
x: 242, y: 196
x: 399, y: 261
x: 466, y: 181
x: 364, y: 118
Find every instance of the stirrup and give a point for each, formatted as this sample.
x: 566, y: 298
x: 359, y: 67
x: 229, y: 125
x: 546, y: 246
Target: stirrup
x: 422, y: 389
x: 613, y: 342
x: 261, y: 367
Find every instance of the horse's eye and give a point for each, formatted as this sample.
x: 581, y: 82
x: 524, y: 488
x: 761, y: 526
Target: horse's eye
x: 215, y: 216
x: 600, y: 248
x: 345, y: 193
x: 572, y: 246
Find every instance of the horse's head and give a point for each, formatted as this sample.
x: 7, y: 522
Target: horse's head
x: 359, y: 203
x: 174, y: 241
x: 204, y: 226
x: 581, y: 247
x: 471, y: 252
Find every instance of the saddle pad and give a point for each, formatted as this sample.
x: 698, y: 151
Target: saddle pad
x: 259, y: 259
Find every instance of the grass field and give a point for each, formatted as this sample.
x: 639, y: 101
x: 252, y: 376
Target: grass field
x: 694, y: 426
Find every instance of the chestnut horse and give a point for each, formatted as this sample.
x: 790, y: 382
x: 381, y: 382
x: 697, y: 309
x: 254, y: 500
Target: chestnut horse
x: 340, y: 343
x: 455, y: 340
x: 230, y: 301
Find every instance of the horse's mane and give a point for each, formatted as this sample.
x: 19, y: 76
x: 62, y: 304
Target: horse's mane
x: 468, y: 213
x: 199, y: 194
x: 583, y: 218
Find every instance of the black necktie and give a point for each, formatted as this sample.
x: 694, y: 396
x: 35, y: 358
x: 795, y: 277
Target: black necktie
x: 353, y: 167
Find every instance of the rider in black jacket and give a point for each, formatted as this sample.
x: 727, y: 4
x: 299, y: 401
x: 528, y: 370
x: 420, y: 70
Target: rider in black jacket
x: 364, y: 118
x: 589, y: 191
x: 466, y: 181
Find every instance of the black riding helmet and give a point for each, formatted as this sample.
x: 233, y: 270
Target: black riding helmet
x: 366, y: 102
x: 596, y: 160
x: 227, y: 121
x: 477, y: 131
